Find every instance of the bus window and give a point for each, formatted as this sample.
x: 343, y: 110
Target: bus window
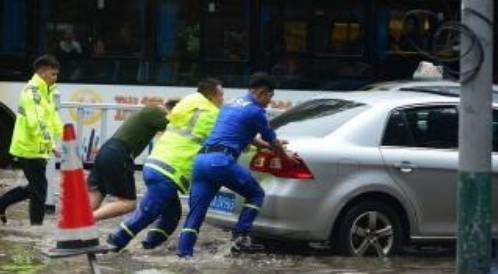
x: 295, y: 36
x: 12, y: 26
x: 405, y: 32
x: 345, y: 37
x: 226, y: 30
x: 339, y: 31
x: 119, y: 25
x: 12, y: 38
x: 226, y: 40
x: 177, y: 40
x: 399, y: 34
x: 104, y: 49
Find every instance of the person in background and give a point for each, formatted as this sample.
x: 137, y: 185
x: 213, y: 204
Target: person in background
x: 68, y: 45
x: 99, y: 48
x: 168, y: 169
x: 112, y: 172
x: 69, y: 53
x: 239, y: 121
x: 37, y: 129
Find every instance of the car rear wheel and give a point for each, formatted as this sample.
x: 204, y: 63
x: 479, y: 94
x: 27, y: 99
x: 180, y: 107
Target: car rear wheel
x: 369, y: 228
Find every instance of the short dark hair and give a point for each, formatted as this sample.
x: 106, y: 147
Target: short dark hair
x: 46, y: 60
x: 170, y: 104
x: 208, y: 86
x: 262, y: 79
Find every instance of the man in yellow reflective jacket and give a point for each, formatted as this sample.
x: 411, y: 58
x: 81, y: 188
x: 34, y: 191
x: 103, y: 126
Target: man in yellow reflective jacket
x: 168, y: 169
x: 37, y: 128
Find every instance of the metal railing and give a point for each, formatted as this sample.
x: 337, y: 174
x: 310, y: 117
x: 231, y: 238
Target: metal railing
x: 83, y: 108
x: 104, y: 108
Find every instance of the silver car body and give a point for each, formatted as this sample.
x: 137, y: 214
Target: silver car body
x: 349, y: 165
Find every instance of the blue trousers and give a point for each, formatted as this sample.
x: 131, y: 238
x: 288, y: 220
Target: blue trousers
x: 211, y: 172
x: 160, y: 204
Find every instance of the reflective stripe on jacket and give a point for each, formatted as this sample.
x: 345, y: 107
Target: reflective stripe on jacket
x: 190, y: 122
x: 38, y: 124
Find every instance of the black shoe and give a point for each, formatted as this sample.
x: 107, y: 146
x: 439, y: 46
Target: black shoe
x: 49, y: 209
x: 154, y: 239
x: 152, y: 244
x: 3, y: 216
x: 114, y: 246
x: 244, y: 244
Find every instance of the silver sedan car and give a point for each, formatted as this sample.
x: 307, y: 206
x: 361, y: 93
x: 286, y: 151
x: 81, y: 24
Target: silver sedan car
x: 378, y: 169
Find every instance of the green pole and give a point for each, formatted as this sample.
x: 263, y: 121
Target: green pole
x: 474, y: 223
x: 475, y: 137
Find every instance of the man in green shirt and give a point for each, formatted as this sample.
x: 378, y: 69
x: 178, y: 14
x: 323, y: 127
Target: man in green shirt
x: 112, y: 173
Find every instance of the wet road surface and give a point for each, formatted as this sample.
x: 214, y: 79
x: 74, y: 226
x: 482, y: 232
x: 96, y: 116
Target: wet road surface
x: 21, y: 252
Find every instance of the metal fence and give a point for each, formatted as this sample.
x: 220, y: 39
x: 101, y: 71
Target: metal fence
x: 104, y: 116
x: 82, y: 109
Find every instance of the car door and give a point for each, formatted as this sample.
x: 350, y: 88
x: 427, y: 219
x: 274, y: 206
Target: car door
x: 420, y: 152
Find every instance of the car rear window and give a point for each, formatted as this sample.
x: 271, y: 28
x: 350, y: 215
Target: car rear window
x: 316, y: 118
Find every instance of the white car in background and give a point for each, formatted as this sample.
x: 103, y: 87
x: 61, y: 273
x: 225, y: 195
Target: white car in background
x: 442, y: 87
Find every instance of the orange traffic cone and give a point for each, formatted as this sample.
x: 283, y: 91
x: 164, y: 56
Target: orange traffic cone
x: 76, y: 232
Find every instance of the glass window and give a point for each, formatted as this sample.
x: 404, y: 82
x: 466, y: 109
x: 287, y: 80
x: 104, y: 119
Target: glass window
x: 295, y: 36
x: 121, y: 29
x: 433, y: 127
x: 405, y: 32
x: 339, y: 31
x: 12, y: 26
x: 397, y: 132
x: 317, y: 117
x: 104, y: 49
x: 226, y: 40
x: 227, y: 30
x: 178, y: 29
x: 318, y: 46
x: 177, y: 39
x: 63, y: 27
x: 63, y: 30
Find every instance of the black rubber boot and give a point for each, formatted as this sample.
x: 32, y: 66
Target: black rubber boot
x: 154, y: 239
x: 244, y: 244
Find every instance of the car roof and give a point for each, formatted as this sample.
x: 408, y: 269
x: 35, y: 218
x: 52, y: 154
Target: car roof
x: 394, y: 98
x: 408, y: 83
x: 393, y: 85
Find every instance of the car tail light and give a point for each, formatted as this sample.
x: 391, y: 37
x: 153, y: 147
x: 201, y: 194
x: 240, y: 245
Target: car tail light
x: 267, y: 162
x: 260, y: 161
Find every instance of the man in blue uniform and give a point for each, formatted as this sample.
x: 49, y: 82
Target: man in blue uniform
x: 216, y: 165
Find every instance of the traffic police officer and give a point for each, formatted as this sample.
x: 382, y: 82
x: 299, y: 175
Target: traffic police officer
x: 216, y: 164
x: 168, y: 169
x: 36, y: 130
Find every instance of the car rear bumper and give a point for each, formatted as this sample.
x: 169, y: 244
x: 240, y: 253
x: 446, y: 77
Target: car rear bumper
x: 285, y: 214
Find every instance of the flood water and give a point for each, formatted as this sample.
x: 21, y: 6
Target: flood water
x: 20, y: 252
x: 21, y: 249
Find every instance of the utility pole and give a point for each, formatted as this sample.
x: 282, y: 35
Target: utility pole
x: 475, y: 131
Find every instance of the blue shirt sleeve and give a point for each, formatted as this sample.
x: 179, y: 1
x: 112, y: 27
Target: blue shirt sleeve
x: 263, y: 126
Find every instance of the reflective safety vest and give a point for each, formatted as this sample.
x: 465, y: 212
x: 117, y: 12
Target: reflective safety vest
x: 38, y: 125
x: 190, y: 122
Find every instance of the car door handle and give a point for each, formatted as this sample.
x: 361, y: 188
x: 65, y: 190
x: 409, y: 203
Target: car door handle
x: 405, y: 167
